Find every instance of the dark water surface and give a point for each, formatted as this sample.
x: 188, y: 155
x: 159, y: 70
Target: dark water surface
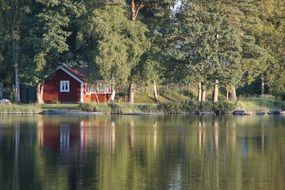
x: 142, y: 152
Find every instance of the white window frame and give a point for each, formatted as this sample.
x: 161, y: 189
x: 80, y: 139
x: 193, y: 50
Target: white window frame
x: 64, y: 86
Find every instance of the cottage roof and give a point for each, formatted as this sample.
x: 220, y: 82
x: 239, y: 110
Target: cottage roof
x: 77, y: 74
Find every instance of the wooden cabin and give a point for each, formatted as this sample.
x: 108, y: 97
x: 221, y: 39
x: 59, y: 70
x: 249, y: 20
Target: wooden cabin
x: 68, y: 85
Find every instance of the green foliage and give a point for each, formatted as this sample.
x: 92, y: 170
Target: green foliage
x: 193, y: 106
x: 115, y: 44
x: 94, y: 107
x: 170, y: 107
x: 147, y: 108
x: 46, y: 30
x: 166, y: 108
x: 116, y: 108
x: 260, y: 104
x: 224, y: 107
x: 236, y: 42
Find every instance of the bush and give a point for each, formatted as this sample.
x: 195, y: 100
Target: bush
x: 115, y: 108
x: 190, y: 106
x: 205, y: 106
x: 224, y: 107
x: 148, y: 108
x: 170, y: 107
x: 94, y: 107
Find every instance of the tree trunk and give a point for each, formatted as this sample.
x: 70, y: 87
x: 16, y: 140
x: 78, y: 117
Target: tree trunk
x: 133, y: 10
x: 262, y: 86
x: 216, y: 92
x: 17, y: 78
x: 16, y: 48
x: 132, y: 92
x: 227, y: 94
x: 233, y: 95
x: 199, y: 92
x: 132, y: 85
x: 113, y: 94
x: 154, y: 91
x: 1, y: 90
x: 40, y: 90
x: 203, y: 93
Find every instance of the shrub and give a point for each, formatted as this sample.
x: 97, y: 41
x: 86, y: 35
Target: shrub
x: 170, y: 107
x: 189, y: 106
x: 224, y: 107
x: 95, y: 107
x: 205, y: 106
x: 148, y: 107
x: 115, y: 108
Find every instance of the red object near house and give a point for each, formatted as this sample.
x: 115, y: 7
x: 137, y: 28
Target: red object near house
x: 68, y: 85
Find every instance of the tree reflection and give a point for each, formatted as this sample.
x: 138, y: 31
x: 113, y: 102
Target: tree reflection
x: 136, y: 152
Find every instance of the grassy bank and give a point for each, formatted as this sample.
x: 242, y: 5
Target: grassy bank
x: 20, y: 109
x: 36, y: 108
x: 254, y: 104
x: 260, y: 104
x: 70, y: 107
x: 164, y: 108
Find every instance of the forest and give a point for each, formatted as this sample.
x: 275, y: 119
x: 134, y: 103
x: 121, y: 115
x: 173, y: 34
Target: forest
x: 210, y: 44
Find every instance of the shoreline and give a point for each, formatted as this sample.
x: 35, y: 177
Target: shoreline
x: 59, y: 112
x: 240, y: 108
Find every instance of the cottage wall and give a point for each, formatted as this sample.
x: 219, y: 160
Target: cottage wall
x: 52, y: 92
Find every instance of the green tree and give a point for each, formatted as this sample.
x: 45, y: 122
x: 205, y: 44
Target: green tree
x: 272, y: 38
x: 203, y: 43
x: 156, y: 15
x: 115, y: 44
x: 217, y: 41
x: 46, y: 39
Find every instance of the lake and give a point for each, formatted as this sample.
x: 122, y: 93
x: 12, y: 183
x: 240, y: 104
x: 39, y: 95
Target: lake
x: 142, y: 152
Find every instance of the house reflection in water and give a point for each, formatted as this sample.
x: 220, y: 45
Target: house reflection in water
x: 76, y: 136
x: 59, y: 136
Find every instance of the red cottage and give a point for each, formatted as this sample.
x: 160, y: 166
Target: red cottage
x: 69, y: 85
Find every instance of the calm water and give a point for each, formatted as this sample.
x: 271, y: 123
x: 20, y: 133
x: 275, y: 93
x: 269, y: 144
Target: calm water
x: 136, y: 152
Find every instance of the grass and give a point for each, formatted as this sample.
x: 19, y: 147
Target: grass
x: 164, y: 95
x: 35, y: 108
x: 173, y: 96
x: 146, y: 99
x: 261, y: 104
x: 143, y: 98
x: 21, y: 109
x: 70, y: 107
x: 165, y: 108
x: 119, y: 108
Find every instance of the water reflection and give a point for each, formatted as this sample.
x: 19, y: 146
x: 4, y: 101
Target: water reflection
x: 128, y: 152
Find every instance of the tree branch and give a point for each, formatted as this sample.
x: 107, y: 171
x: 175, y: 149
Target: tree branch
x: 138, y: 8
